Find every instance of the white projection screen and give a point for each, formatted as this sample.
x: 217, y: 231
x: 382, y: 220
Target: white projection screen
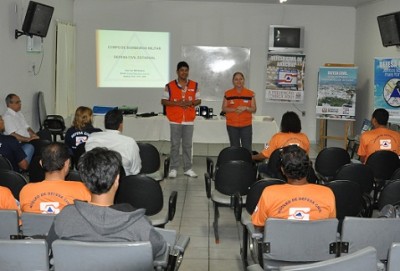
x: 213, y: 68
x: 132, y: 59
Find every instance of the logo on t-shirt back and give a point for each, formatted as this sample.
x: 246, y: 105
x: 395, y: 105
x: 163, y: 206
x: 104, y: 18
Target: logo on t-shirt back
x: 299, y: 213
x: 49, y: 207
x: 385, y: 144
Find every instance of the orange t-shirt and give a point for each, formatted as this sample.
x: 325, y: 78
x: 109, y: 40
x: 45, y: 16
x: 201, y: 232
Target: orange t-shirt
x: 298, y: 202
x: 50, y: 197
x: 379, y: 139
x: 7, y: 200
x: 280, y: 140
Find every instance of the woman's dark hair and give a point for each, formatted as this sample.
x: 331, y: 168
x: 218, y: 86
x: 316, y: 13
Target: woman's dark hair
x: 290, y: 123
x: 98, y: 169
x: 295, y: 162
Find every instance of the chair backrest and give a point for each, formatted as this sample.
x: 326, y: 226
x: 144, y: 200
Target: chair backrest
x: 233, y: 153
x: 393, y: 263
x: 8, y: 223
x: 78, y: 152
x: 24, y: 255
x: 274, y: 165
x: 141, y: 191
x: 383, y: 164
x: 235, y: 177
x: 13, y: 180
x: 150, y: 157
x: 5, y: 163
x: 396, y: 174
x: 299, y: 241
x: 54, y: 123
x: 359, y: 173
x: 36, y: 224
x: 348, y: 197
x: 329, y: 160
x: 36, y: 172
x: 102, y: 256
x: 255, y: 191
x: 362, y: 260
x: 41, y: 107
x: 39, y: 144
x: 73, y: 175
x: 358, y: 233
x: 390, y: 194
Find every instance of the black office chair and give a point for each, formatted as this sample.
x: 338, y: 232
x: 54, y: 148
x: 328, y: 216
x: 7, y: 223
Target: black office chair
x: 359, y: 173
x: 35, y: 170
x: 142, y: 191
x: 384, y: 164
x: 232, y: 177
x: 56, y: 125
x: 151, y: 160
x: 39, y: 144
x: 73, y: 175
x: 328, y: 161
x: 5, y: 163
x: 228, y: 154
x: 77, y: 153
x: 13, y: 180
x: 395, y: 175
x: 390, y: 194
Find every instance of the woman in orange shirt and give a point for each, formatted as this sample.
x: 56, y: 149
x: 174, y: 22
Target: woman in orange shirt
x: 239, y: 104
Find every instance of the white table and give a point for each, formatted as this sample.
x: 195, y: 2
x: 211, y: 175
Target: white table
x: 209, y: 131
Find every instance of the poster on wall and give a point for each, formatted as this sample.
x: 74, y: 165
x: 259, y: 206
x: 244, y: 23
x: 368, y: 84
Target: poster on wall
x: 285, y: 78
x: 336, y: 97
x: 387, y: 85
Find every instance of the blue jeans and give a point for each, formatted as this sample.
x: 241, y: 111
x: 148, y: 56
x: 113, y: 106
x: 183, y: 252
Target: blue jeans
x: 28, y: 150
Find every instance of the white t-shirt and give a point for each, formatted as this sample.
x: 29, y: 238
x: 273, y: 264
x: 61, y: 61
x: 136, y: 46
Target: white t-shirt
x: 14, y: 122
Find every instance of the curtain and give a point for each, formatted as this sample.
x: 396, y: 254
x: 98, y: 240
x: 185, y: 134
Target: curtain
x: 65, y: 95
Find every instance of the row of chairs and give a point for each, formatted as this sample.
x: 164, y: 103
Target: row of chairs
x: 289, y: 242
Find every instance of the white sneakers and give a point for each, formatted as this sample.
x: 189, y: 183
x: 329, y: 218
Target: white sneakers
x: 190, y: 173
x: 173, y: 173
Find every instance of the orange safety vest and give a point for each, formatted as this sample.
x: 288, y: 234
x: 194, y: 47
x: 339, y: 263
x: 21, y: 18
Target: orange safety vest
x: 236, y: 99
x: 176, y: 93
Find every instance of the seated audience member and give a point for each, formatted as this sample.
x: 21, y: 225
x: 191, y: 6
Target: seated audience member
x: 53, y: 193
x: 298, y: 199
x: 11, y: 149
x: 113, y: 139
x: 7, y: 200
x: 100, y: 220
x: 380, y: 137
x: 81, y: 128
x: 16, y: 125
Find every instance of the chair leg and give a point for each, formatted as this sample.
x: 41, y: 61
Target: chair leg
x: 215, y: 224
x: 245, y: 247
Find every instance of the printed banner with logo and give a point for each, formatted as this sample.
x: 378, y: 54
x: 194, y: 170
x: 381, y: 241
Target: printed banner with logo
x: 387, y: 85
x: 336, y: 98
x: 285, y: 78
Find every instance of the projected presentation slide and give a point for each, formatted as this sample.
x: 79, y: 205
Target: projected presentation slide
x: 132, y: 59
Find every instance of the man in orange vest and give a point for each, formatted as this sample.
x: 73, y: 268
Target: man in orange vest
x: 180, y: 98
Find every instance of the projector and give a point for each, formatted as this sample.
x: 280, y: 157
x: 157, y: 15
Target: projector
x: 128, y: 110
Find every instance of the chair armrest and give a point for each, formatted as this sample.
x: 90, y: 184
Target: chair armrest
x: 169, y: 235
x: 182, y: 243
x: 254, y: 233
x: 254, y: 267
x: 172, y: 205
x: 161, y: 261
x: 166, y: 167
x: 207, y: 180
x: 367, y: 203
x: 237, y: 206
x: 210, y: 166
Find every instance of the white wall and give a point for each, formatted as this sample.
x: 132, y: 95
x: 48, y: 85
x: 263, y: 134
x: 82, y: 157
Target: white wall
x: 329, y: 38
x: 369, y: 46
x: 15, y: 62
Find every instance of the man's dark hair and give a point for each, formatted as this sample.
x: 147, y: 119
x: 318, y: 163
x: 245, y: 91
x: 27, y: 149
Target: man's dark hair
x: 290, y: 123
x: 295, y: 162
x: 182, y: 64
x: 113, y: 119
x: 381, y: 115
x: 9, y: 98
x: 54, y: 156
x: 98, y: 169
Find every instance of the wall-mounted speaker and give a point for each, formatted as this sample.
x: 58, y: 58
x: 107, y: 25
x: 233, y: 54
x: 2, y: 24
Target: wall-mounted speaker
x: 389, y: 28
x: 37, y: 19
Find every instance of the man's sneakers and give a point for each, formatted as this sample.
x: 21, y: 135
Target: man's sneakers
x: 190, y: 173
x: 172, y: 173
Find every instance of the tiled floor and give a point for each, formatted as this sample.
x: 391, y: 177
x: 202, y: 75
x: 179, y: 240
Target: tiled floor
x: 194, y: 216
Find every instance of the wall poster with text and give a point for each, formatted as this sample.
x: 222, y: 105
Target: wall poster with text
x: 387, y: 85
x: 336, y: 97
x: 285, y: 78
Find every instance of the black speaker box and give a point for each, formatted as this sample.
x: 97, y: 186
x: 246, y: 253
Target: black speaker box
x: 37, y: 19
x: 389, y: 28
